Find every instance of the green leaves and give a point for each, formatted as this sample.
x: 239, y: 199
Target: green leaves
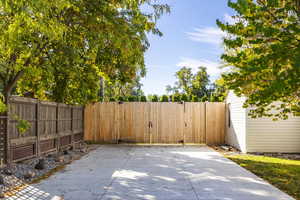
x: 62, y: 47
x: 263, y: 49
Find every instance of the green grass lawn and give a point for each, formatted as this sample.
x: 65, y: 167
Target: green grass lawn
x: 282, y: 173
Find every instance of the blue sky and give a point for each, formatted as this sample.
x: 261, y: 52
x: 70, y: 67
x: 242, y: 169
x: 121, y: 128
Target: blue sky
x: 191, y: 38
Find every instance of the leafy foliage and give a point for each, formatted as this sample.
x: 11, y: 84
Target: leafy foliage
x: 143, y: 99
x: 154, y: 98
x: 184, y: 98
x: 111, y: 99
x: 59, y: 49
x: 176, y: 97
x: 263, y: 48
x: 131, y: 88
x: 120, y: 98
x: 22, y: 125
x: 195, y: 99
x: 164, y: 98
x: 3, y: 107
x: 196, y: 86
x: 132, y: 99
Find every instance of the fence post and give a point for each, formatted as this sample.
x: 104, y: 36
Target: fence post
x: 83, y: 121
x: 37, y: 118
x: 57, y: 127
x: 205, y: 122
x: 72, y: 128
x: 8, y: 150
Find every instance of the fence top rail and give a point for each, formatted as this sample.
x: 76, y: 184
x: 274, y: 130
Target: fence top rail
x: 22, y: 99
x: 137, y: 102
x: 48, y: 103
x: 19, y: 99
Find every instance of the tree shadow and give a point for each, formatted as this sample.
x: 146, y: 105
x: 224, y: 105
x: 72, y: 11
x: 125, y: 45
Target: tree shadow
x: 285, y: 176
x: 175, y: 173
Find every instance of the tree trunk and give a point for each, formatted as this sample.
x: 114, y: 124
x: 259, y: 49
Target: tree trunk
x: 102, y: 86
x: 10, y: 85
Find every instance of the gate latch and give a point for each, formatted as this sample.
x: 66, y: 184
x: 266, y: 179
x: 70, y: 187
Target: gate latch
x: 150, y: 124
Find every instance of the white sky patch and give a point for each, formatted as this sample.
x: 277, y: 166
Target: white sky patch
x: 213, y: 68
x: 211, y: 35
x: 229, y: 19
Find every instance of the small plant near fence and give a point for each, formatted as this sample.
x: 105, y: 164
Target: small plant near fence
x: 23, y: 125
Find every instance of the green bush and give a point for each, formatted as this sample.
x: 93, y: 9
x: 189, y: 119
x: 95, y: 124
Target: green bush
x: 143, y: 99
x: 195, y: 99
x: 132, y: 99
x: 22, y: 125
x: 112, y: 99
x: 2, y: 104
x: 184, y: 98
x: 176, y: 98
x: 154, y: 98
x: 204, y: 98
x: 121, y: 98
x: 164, y: 98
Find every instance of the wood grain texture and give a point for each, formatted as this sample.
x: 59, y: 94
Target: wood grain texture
x: 49, y: 123
x: 155, y: 122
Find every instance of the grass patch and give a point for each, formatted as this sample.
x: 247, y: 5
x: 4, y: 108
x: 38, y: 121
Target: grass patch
x: 282, y: 173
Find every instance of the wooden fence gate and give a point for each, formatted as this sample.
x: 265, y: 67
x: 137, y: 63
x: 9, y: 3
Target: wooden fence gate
x: 155, y: 122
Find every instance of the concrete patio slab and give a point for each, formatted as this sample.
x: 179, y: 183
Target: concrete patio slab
x: 157, y: 173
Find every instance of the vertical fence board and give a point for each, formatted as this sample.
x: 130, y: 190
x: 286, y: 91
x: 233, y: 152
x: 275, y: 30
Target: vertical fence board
x: 215, y: 123
x: 155, y: 122
x: 52, y: 125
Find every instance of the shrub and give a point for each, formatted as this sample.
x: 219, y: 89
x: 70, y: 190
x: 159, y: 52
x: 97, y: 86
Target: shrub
x: 143, y: 99
x: 164, y: 98
x: 112, y: 99
x: 176, y: 98
x: 121, y: 98
x: 195, y: 99
x: 204, y: 98
x: 154, y: 98
x: 184, y: 97
x: 132, y: 99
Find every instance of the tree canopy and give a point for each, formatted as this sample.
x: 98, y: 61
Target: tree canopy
x: 263, y: 50
x: 196, y: 86
x: 58, y: 49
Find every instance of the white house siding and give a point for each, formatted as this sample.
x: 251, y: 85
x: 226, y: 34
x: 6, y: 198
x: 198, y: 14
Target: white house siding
x: 266, y: 135
x: 236, y: 132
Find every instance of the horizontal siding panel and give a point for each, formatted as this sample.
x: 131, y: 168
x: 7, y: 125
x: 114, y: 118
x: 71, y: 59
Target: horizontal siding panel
x: 266, y: 135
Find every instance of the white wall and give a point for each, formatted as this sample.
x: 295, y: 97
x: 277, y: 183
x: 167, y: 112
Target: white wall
x: 236, y: 132
x: 266, y: 135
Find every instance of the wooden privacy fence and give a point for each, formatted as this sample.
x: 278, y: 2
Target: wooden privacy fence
x: 53, y: 126
x: 155, y: 122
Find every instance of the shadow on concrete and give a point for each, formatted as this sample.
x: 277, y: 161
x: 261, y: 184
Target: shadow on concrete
x: 175, y: 173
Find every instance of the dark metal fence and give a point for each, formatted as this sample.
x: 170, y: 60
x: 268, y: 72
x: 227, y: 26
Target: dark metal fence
x: 53, y: 127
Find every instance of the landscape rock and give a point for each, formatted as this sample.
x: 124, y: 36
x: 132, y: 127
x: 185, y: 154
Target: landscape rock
x: 7, y: 171
x: 29, y: 174
x: 2, y: 196
x: 31, y: 169
x: 2, y: 180
x: 60, y: 159
x: 40, y: 165
x: 83, y: 150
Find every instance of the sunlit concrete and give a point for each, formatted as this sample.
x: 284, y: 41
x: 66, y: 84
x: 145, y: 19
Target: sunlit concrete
x: 166, y: 173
